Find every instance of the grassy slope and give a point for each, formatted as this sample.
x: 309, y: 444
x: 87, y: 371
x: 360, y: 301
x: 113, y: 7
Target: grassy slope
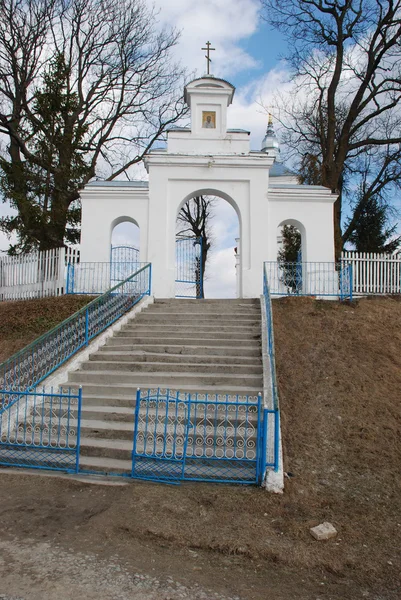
x: 23, y: 321
x: 339, y: 370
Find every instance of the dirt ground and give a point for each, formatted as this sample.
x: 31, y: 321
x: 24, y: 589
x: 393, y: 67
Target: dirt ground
x: 21, y: 322
x: 339, y: 370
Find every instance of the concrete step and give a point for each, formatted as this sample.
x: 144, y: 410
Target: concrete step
x: 192, y: 329
x: 207, y: 301
x: 166, y: 379
x: 205, y: 310
x: 250, y: 351
x: 100, y: 447
x: 105, y: 465
x: 98, y: 412
x: 201, y: 336
x: 181, y: 367
x: 117, y: 430
x: 108, y: 413
x: 176, y: 318
x: 105, y: 354
x: 124, y: 395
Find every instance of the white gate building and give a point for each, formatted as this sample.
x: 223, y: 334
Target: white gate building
x: 208, y: 158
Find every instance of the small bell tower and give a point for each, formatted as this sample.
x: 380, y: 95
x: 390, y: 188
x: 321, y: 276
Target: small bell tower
x: 270, y: 143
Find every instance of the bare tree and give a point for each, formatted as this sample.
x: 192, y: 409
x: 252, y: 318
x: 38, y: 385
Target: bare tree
x: 194, y: 219
x: 117, y: 91
x: 345, y: 57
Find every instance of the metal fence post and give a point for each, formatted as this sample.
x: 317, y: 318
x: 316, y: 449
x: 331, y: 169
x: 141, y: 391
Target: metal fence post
x: 150, y: 280
x: 200, y: 268
x: 79, y: 428
x: 136, y: 419
x: 86, y: 327
x: 351, y: 280
x: 276, y: 439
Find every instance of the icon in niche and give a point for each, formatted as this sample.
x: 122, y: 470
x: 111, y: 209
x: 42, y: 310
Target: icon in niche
x: 208, y: 119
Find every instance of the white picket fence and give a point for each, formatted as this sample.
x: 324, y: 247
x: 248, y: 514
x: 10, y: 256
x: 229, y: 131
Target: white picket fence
x: 374, y: 273
x: 35, y: 275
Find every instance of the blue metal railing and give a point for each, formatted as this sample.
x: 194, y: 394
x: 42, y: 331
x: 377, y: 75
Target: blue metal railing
x: 274, y: 411
x: 179, y: 436
x: 310, y: 279
x: 96, y: 278
x: 40, y: 430
x: 38, y: 360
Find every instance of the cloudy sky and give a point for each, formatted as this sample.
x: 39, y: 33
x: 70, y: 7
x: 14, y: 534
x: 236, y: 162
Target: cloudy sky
x: 248, y: 55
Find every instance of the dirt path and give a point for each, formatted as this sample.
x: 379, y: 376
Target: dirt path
x: 62, y: 539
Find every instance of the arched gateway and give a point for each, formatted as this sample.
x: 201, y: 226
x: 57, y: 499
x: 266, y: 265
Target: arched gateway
x: 208, y: 158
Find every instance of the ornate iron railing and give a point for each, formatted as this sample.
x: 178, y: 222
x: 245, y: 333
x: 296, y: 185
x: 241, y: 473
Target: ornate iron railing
x: 40, y: 429
x: 35, y: 362
x: 198, y: 437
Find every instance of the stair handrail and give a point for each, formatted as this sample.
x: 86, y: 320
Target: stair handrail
x: 29, y: 366
x: 270, y: 336
x: 274, y: 410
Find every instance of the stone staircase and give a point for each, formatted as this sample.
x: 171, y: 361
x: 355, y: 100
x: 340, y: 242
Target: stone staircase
x: 206, y: 346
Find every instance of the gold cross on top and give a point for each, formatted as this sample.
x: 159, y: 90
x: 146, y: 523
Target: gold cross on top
x: 208, y: 59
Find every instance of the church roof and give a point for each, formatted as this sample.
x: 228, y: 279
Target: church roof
x: 116, y: 183
x: 280, y: 170
x: 209, y: 81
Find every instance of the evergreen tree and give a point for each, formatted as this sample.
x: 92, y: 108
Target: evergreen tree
x: 291, y: 245
x: 47, y: 215
x: 372, y: 232
x: 289, y: 258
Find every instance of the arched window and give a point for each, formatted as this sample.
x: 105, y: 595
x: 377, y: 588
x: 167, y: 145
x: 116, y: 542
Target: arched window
x: 291, y: 254
x: 125, y: 248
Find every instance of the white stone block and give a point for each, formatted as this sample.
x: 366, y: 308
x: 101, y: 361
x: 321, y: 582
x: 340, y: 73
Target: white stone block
x: 325, y: 531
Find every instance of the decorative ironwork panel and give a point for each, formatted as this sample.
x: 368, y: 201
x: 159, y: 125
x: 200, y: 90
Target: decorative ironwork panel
x: 35, y: 362
x: 198, y: 437
x: 124, y: 261
x: 40, y: 429
x: 188, y: 257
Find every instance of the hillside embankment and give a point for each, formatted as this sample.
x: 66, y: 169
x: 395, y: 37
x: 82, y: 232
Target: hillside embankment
x: 23, y: 321
x: 339, y: 374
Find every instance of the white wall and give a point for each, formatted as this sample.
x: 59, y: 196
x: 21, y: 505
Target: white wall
x: 103, y: 206
x: 312, y: 208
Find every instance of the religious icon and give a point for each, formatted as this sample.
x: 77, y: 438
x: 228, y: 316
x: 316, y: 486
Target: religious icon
x: 208, y: 119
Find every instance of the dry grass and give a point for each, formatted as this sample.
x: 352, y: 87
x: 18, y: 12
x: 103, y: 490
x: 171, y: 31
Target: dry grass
x: 23, y: 321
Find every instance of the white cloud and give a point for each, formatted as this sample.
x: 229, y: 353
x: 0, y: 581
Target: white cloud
x: 222, y: 22
x: 220, y: 279
x: 249, y: 109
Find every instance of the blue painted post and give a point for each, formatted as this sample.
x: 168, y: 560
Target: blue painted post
x: 78, y: 428
x: 351, y: 280
x: 86, y: 327
x: 70, y: 279
x: 259, y: 443
x: 137, y: 407
x: 276, y: 439
x: 264, y: 442
x: 200, y: 268
x: 150, y: 279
